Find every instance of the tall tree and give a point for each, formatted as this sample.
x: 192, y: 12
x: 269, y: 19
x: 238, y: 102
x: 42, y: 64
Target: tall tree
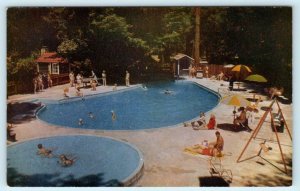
x: 197, y: 35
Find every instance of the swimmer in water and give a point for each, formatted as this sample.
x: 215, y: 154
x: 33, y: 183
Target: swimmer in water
x: 91, y: 115
x: 113, y: 115
x: 65, y: 162
x: 80, y: 121
x: 167, y: 91
x: 145, y: 87
x: 43, y: 151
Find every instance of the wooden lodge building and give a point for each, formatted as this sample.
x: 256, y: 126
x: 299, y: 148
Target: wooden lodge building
x: 51, y: 62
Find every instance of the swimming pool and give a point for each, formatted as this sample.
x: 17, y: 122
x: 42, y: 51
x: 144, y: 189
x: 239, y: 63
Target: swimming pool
x: 99, y: 161
x: 139, y: 108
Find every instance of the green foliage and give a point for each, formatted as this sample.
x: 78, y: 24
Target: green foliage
x: 22, y: 73
x: 23, y: 70
x: 116, y: 39
x: 177, y: 25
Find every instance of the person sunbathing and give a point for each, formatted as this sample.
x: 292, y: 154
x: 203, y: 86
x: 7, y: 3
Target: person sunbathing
x: 211, y: 149
x: 201, y: 123
x: 65, y: 161
x: 43, y: 151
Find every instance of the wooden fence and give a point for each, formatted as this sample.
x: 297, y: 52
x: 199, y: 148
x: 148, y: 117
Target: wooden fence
x: 15, y: 87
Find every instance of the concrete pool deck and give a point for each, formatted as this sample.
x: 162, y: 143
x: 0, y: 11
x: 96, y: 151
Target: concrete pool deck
x: 165, y: 163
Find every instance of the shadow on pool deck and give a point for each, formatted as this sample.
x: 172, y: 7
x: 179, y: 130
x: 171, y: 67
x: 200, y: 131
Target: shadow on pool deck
x: 16, y: 179
x: 212, y: 181
x: 279, y: 178
x: 21, y: 112
x: 230, y: 127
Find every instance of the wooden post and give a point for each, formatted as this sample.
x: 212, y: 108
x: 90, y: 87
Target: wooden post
x: 278, y: 141
x: 281, y: 115
x: 264, y: 117
x: 197, y: 36
x: 255, y: 132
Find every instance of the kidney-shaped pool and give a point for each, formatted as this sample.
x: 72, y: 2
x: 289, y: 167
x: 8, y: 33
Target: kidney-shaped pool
x: 159, y: 105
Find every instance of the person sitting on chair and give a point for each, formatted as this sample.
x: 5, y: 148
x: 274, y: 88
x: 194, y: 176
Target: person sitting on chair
x: 242, y: 117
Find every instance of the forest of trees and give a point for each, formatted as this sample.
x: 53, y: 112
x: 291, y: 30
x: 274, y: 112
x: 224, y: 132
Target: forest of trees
x: 120, y: 38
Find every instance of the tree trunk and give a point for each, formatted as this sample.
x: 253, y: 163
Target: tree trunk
x: 197, y: 37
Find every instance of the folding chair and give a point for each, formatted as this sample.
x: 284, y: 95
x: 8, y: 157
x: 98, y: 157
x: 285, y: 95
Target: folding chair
x: 245, y: 125
x: 216, y: 168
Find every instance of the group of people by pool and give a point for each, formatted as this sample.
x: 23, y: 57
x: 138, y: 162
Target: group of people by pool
x: 201, y: 123
x: 212, y: 148
x: 64, y: 160
x: 79, y: 82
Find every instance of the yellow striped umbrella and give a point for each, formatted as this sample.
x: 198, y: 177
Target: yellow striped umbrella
x: 235, y: 100
x: 240, y: 67
x: 241, y: 71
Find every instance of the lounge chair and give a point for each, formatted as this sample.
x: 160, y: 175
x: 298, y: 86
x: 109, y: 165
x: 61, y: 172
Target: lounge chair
x: 216, y: 168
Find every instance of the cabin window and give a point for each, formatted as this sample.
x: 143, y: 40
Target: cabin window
x: 55, y: 68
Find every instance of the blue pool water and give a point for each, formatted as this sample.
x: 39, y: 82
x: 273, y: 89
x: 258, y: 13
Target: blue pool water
x: 99, y: 161
x: 136, y: 108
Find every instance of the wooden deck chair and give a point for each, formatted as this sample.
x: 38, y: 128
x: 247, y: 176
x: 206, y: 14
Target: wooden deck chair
x: 216, y: 168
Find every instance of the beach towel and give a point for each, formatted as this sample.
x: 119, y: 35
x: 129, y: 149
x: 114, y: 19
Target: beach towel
x: 190, y: 151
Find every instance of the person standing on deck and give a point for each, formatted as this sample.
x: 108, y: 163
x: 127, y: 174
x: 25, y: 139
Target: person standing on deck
x: 104, y: 78
x: 127, y: 78
x: 72, y: 79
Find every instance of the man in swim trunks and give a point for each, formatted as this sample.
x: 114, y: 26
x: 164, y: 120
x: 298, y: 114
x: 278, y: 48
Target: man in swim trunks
x: 213, y: 149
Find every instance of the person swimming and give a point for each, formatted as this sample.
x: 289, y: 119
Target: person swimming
x: 80, y: 121
x: 91, y: 115
x: 167, y: 91
x: 43, y: 151
x: 65, y: 161
x: 145, y: 87
x: 113, y: 115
